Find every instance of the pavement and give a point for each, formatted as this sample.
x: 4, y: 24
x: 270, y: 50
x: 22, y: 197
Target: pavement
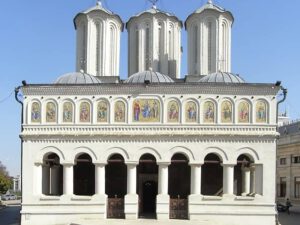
x: 10, y: 215
x: 292, y: 219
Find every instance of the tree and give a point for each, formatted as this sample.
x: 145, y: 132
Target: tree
x: 5, y: 181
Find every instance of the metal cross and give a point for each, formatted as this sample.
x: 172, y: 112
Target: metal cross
x: 153, y: 1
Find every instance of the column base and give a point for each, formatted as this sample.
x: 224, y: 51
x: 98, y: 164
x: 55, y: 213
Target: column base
x: 228, y: 196
x: 163, y: 206
x: 131, y: 206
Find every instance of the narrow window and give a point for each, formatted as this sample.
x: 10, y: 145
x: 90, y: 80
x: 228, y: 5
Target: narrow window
x: 209, y: 46
x: 98, y: 43
x: 147, y: 50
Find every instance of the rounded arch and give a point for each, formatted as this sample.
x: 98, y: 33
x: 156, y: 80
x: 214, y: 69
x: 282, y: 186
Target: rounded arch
x: 226, y: 113
x: 44, y: 152
x: 251, y: 153
x: 262, y: 112
x: 120, y: 115
x: 84, y: 150
x: 215, y: 150
x: 173, y: 110
x: 115, y: 150
x: 181, y: 150
x: 147, y: 150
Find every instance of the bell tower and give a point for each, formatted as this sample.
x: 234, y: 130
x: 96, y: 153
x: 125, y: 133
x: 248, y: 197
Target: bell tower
x: 98, y: 41
x: 209, y: 40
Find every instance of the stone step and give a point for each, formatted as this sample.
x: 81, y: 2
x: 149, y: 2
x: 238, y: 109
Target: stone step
x: 141, y: 221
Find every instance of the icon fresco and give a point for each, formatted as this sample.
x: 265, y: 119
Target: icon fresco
x: 102, y: 112
x: 68, y: 112
x: 146, y: 110
x: 50, y: 112
x: 85, y: 112
x: 243, y: 112
x: 226, y: 112
x: 120, y: 111
x: 173, y: 112
x: 261, y: 112
x: 191, y: 112
x: 209, y: 112
x: 35, y: 112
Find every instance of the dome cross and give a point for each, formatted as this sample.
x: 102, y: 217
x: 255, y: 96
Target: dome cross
x: 153, y: 3
x: 210, y: 2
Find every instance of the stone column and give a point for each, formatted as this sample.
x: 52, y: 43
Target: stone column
x: 100, y: 178
x: 68, y: 179
x: 163, y: 199
x: 131, y: 199
x: 259, y: 179
x: 195, y: 179
x: 246, y: 180
x: 228, y: 179
x: 38, y: 177
x: 45, y: 179
x: 252, y: 179
x: 54, y: 180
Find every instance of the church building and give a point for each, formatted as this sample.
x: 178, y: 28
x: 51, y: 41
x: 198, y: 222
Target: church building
x: 155, y: 145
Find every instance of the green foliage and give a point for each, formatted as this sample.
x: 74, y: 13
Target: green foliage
x: 5, y: 180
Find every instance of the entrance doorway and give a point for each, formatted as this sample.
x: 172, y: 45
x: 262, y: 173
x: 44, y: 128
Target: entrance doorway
x: 115, y: 186
x: 147, y: 186
x: 179, y: 186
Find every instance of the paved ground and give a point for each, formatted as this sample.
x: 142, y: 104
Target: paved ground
x: 292, y: 219
x: 10, y: 215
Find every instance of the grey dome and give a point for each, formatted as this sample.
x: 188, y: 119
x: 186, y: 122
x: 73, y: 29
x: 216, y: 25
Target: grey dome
x: 153, y: 77
x: 222, y: 77
x: 77, y: 78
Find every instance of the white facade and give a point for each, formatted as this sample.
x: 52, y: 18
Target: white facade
x: 95, y: 149
x: 98, y: 41
x: 209, y: 40
x: 154, y: 42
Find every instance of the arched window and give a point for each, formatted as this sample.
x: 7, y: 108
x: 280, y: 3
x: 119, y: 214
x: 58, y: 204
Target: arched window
x: 51, y: 115
x: 102, y: 111
x: 137, y: 43
x: 35, y: 112
x: 191, y: 112
x: 147, y: 48
x: 120, y: 112
x: 98, y: 49
x: 85, y: 112
x: 244, y: 112
x: 173, y: 112
x: 112, y: 61
x: 52, y: 179
x: 67, y: 112
x: 226, y: 112
x: 209, y: 112
x: 212, y: 176
x: 195, y: 48
x: 160, y: 45
x: 84, y: 176
x: 261, y: 112
x: 224, y: 58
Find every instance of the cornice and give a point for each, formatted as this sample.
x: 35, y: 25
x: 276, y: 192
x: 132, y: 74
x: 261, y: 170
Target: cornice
x: 148, y: 133
x: 158, y: 89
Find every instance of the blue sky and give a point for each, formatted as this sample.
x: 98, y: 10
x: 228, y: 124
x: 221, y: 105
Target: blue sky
x: 37, y: 44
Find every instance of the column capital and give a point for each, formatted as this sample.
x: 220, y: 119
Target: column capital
x: 38, y: 163
x: 68, y: 163
x: 228, y: 164
x: 163, y: 163
x: 100, y: 163
x: 197, y: 164
x: 131, y: 163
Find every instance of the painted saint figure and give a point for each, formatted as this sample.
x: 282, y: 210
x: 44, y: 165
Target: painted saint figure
x: 137, y: 110
x: 261, y: 112
x: 119, y: 111
x: 67, y: 112
x: 209, y: 112
x: 243, y: 111
x: 50, y: 112
x: 173, y: 111
x: 226, y: 112
x: 191, y: 112
x: 35, y: 113
x: 102, y: 111
x: 84, y: 112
